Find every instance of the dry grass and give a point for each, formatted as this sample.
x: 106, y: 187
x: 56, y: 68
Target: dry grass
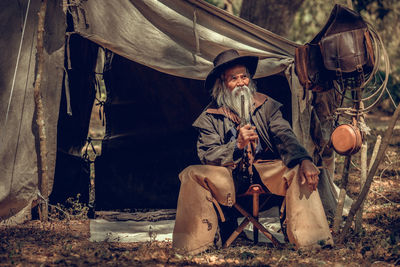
x: 65, y: 243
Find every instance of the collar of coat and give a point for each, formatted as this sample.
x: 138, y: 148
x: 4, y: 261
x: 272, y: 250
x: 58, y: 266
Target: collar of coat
x: 259, y: 99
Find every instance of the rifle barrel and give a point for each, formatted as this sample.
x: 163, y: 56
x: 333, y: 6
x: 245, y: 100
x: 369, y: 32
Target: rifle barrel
x: 242, y: 115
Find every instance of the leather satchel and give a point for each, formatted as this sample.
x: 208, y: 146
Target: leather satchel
x: 342, y: 48
x: 309, y: 68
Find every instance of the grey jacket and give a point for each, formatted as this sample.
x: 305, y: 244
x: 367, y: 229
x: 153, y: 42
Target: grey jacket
x: 215, y: 147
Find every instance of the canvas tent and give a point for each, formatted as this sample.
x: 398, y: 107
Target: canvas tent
x: 157, y: 54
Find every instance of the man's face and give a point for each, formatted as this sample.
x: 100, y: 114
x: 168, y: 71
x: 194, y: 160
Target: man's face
x: 236, y: 76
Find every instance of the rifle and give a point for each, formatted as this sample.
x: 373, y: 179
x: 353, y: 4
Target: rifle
x: 249, y: 152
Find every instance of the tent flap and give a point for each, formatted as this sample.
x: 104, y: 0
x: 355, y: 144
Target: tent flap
x: 180, y: 38
x: 19, y: 136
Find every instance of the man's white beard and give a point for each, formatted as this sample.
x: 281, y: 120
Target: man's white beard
x: 232, y: 100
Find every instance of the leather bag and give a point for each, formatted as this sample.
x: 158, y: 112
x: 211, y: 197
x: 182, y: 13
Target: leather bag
x: 342, y: 48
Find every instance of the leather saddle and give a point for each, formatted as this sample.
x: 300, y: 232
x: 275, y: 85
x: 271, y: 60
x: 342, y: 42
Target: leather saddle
x: 342, y: 49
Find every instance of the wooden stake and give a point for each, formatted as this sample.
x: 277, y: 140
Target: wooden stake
x: 356, y: 205
x: 40, y: 120
x: 363, y: 177
x: 342, y: 196
x: 375, y: 152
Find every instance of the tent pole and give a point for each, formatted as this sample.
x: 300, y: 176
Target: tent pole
x: 43, y: 174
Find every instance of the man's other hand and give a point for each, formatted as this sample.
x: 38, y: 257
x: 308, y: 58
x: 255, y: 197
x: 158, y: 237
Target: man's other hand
x: 309, y: 174
x: 247, y: 133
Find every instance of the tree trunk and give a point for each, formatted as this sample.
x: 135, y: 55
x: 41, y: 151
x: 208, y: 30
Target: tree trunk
x: 228, y: 6
x: 274, y: 15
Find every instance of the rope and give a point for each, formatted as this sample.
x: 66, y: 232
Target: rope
x: 379, y: 51
x: 101, y: 104
x: 67, y: 92
x: 86, y: 154
x: 96, y: 139
x: 391, y: 98
x: 16, y: 65
x: 22, y: 114
x: 68, y: 50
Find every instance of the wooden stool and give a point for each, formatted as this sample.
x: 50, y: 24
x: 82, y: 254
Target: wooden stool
x: 254, y: 190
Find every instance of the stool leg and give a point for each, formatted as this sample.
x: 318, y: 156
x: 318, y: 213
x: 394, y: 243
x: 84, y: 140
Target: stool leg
x: 255, y: 215
x: 258, y: 225
x: 236, y: 233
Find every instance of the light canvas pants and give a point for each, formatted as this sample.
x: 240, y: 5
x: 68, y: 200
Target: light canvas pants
x: 196, y: 220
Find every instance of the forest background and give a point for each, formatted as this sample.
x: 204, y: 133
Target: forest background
x: 301, y: 20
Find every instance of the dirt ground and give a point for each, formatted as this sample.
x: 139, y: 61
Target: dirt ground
x: 65, y: 242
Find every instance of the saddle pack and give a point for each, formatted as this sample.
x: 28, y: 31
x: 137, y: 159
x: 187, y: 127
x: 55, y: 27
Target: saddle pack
x: 342, y: 49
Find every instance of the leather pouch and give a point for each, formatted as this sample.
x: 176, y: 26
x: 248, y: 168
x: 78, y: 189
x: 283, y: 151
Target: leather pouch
x: 345, y: 51
x: 309, y: 68
x: 343, y: 46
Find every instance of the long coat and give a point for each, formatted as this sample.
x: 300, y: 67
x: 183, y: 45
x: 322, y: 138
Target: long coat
x: 203, y: 185
x: 216, y: 147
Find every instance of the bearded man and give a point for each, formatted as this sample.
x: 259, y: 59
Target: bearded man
x: 279, y: 162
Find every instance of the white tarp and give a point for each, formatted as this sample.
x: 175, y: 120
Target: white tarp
x: 130, y: 230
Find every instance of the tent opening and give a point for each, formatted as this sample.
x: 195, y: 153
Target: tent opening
x: 148, y: 136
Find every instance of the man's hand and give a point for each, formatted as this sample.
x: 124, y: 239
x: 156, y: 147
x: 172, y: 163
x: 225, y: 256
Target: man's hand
x: 309, y: 174
x: 246, y: 134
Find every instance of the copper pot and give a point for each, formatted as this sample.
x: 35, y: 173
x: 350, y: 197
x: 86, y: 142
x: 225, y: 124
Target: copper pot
x: 346, y: 139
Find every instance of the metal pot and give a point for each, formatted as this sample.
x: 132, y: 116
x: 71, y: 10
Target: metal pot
x: 346, y: 139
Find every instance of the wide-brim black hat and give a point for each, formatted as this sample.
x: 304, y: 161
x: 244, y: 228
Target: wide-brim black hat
x: 228, y: 59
